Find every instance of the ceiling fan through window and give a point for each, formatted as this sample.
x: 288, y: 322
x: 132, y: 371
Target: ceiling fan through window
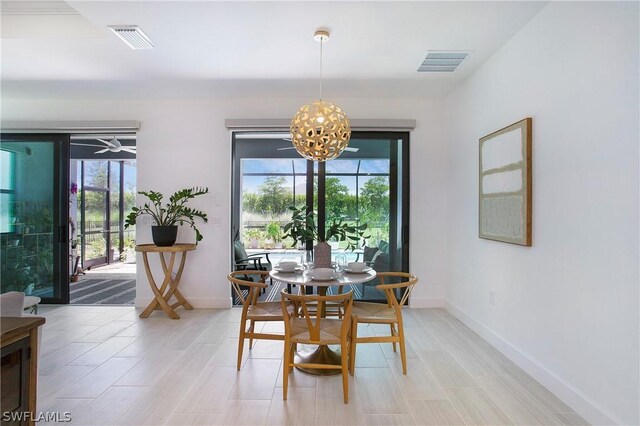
x: 112, y: 145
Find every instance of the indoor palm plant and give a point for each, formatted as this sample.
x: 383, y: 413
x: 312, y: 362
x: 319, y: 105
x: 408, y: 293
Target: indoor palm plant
x: 167, y: 217
x: 303, y: 228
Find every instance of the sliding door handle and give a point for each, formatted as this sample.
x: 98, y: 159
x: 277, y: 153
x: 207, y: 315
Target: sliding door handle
x: 62, y: 234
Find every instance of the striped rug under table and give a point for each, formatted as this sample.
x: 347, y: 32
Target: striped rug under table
x: 101, y: 291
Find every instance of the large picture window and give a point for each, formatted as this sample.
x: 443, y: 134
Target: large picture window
x: 366, y: 184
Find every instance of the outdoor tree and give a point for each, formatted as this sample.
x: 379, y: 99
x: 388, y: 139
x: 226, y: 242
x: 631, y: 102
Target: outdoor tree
x: 374, y: 199
x: 129, y: 198
x: 339, y: 203
x: 274, y: 197
x: 250, y: 202
x: 96, y: 176
x: 96, y: 173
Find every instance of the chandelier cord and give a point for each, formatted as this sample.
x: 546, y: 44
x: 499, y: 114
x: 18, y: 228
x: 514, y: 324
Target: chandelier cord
x: 321, y: 68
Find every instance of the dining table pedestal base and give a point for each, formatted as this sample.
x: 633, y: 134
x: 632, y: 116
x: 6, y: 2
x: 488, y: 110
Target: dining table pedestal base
x: 321, y: 355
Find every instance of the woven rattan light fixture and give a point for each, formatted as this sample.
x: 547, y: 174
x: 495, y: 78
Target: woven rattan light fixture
x: 320, y: 131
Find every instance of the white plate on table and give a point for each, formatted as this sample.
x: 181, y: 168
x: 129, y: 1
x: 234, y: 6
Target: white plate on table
x: 314, y: 277
x: 288, y: 271
x: 364, y: 271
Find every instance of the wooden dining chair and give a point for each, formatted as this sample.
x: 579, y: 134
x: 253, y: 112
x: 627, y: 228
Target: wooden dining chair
x: 304, y: 325
x: 253, y: 310
x: 380, y: 313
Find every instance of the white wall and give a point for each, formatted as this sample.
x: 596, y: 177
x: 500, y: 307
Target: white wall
x: 185, y: 143
x: 567, y: 308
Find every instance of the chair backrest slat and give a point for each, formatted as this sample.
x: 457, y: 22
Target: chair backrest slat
x: 313, y: 318
x: 408, y: 281
x: 240, y: 279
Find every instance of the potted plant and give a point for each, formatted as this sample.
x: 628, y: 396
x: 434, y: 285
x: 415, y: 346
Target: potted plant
x: 254, y: 236
x: 168, y: 217
x: 272, y: 229
x: 303, y: 228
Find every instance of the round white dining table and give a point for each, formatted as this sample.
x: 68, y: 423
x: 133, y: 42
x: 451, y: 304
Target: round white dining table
x: 323, y: 354
x: 343, y: 279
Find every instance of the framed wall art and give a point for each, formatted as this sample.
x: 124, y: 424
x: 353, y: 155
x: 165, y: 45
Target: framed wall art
x: 505, y: 184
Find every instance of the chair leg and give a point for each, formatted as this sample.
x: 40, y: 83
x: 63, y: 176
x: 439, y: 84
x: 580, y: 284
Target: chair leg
x: 403, y: 351
x: 344, y: 358
x: 393, y: 329
x: 285, y: 370
x: 240, y: 344
x: 251, y: 329
x: 292, y: 354
x: 352, y: 351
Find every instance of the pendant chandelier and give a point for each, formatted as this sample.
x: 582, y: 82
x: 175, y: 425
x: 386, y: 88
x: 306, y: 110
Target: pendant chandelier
x: 320, y: 130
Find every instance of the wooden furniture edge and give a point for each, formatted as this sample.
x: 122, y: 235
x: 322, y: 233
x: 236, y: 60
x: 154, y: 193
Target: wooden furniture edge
x: 16, y: 328
x: 178, y: 247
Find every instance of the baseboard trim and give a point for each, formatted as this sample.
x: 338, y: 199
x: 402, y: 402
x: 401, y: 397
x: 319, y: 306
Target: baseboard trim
x: 570, y: 396
x: 426, y: 302
x: 199, y: 303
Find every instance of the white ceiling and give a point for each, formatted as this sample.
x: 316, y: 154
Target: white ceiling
x: 208, y: 48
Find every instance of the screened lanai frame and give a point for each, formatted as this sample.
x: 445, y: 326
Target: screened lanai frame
x: 114, y: 196
x: 297, y: 174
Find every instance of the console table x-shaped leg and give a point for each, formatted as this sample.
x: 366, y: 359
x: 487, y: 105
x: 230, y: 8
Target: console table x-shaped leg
x: 168, y: 288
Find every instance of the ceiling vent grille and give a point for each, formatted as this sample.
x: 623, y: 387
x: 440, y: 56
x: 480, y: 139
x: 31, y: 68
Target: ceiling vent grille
x: 442, y: 61
x: 133, y: 36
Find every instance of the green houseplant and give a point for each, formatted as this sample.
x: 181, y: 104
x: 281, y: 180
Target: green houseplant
x: 167, y: 217
x: 303, y: 228
x: 272, y: 229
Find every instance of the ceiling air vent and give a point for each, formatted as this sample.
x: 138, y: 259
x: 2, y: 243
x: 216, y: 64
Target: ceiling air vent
x: 442, y: 61
x: 133, y: 36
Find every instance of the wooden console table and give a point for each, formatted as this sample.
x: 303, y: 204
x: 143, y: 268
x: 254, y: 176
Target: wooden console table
x: 169, y: 285
x: 19, y: 341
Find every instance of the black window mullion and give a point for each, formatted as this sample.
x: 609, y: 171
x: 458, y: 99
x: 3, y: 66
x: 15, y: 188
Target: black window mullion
x: 82, y: 215
x: 309, y: 244
x: 393, y: 203
x: 108, y: 212
x: 121, y: 207
x: 322, y: 201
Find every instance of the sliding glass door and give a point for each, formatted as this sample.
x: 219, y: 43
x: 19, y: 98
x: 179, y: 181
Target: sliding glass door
x: 34, y: 215
x: 106, y: 196
x: 368, y: 184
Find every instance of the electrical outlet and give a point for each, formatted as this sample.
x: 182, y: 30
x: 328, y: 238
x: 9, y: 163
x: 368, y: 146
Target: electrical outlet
x: 492, y: 298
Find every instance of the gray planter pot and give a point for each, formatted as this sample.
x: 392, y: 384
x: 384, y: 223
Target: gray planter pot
x: 164, y: 236
x: 322, y: 255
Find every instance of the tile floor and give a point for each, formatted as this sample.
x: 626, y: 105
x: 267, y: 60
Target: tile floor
x: 106, y: 366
